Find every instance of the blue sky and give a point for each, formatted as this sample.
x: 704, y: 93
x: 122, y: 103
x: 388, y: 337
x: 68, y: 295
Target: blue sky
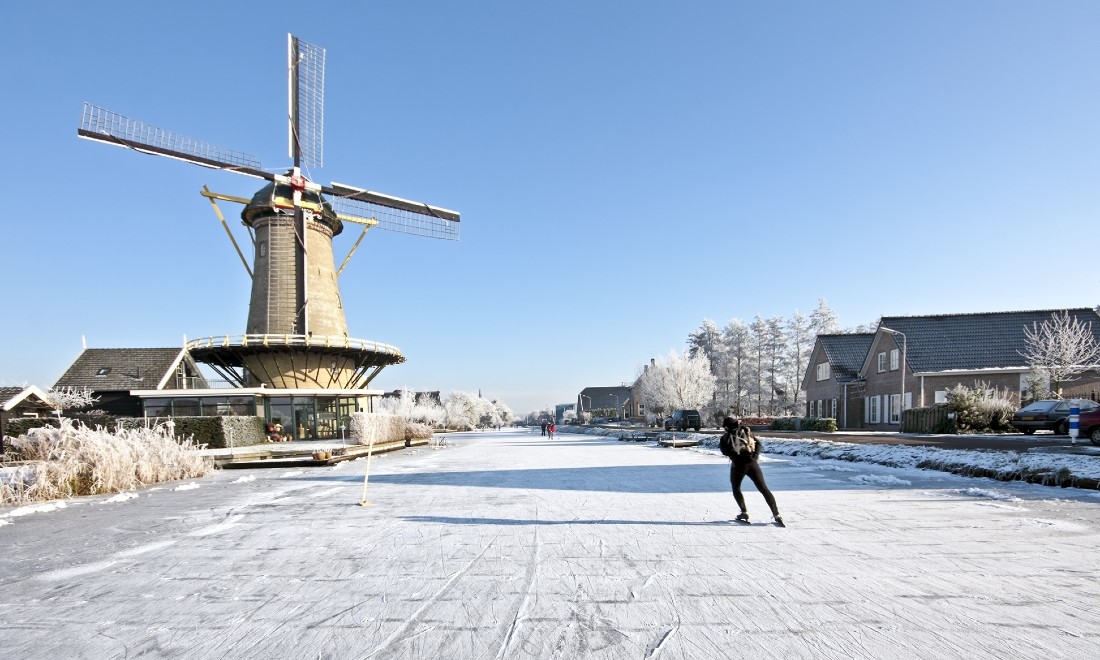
x: 624, y: 170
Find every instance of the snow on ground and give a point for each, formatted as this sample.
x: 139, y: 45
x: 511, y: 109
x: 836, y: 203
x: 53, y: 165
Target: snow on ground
x: 121, y: 497
x: 1082, y: 463
x: 510, y: 545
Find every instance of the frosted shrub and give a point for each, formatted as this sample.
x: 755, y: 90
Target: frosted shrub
x: 383, y: 427
x: 417, y: 431
x: 75, y: 460
x: 406, y: 405
x: 980, y: 409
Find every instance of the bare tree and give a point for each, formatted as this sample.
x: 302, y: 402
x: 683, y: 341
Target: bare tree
x: 1063, y: 348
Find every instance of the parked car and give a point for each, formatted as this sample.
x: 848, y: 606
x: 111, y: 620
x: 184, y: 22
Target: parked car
x: 1048, y: 415
x: 682, y: 420
x: 1090, y: 426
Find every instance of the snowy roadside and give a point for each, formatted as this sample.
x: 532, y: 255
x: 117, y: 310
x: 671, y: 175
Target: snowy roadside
x: 1050, y: 467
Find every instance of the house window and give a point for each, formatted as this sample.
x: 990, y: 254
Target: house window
x: 873, y: 410
x: 894, y: 361
x: 263, y: 248
x: 941, y: 396
x: 823, y: 371
x: 882, y: 362
x: 103, y: 371
x: 813, y: 409
x: 895, y: 409
x: 832, y: 411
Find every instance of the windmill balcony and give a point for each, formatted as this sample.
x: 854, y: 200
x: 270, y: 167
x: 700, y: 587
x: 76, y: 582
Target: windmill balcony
x: 289, y: 361
x: 297, y: 341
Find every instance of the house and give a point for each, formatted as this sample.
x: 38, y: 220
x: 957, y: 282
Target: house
x: 619, y: 398
x: 112, y: 374
x: 22, y: 402
x: 913, y: 361
x: 832, y: 383
x: 166, y: 382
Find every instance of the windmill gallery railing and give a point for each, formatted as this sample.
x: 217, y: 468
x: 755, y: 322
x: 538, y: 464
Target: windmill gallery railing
x: 294, y: 361
x: 296, y: 341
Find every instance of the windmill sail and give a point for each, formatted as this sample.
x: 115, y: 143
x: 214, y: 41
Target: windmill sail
x: 103, y: 125
x: 306, y: 66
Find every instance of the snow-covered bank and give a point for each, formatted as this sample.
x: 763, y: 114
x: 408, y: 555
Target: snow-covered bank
x: 1051, y: 467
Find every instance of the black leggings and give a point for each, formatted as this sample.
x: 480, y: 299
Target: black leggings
x: 738, y: 471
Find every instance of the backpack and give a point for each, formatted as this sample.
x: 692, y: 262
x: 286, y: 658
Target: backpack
x: 741, y: 440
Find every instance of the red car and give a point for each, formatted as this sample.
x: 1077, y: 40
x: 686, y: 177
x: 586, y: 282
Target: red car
x: 1090, y: 426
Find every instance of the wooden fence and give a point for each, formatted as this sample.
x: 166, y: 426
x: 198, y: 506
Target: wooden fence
x: 924, y: 420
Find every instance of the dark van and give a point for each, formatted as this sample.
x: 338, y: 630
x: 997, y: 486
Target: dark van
x: 682, y: 420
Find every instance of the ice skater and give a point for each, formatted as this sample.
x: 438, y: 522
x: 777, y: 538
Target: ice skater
x: 740, y: 445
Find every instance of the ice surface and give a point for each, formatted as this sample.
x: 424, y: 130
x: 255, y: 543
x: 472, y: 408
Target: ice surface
x: 508, y: 545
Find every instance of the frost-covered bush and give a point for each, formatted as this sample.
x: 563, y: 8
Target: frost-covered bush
x: 74, y: 460
x: 413, y: 408
x: 981, y: 409
x: 214, y: 432
x: 382, y: 427
x: 417, y: 431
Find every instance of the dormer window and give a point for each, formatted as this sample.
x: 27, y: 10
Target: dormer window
x: 103, y: 371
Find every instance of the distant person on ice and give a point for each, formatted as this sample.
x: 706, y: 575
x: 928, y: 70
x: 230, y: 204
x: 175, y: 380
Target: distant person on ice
x: 740, y: 445
x: 543, y: 429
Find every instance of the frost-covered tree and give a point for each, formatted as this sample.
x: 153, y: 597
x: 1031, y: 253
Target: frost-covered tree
x: 1062, y: 347
x: 465, y: 410
x: 738, y: 341
x: 414, y: 408
x: 503, y: 413
x: 71, y: 398
x: 707, y: 341
x: 758, y: 346
x: 800, y: 343
x: 676, y: 381
x: 776, y: 356
x: 823, y: 320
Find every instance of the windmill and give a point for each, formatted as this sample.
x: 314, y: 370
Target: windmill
x: 296, y: 335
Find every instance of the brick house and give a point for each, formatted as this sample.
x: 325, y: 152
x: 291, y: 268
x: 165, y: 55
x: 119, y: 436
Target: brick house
x: 935, y: 354
x: 832, y: 382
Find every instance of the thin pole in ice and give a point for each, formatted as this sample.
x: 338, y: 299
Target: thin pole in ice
x: 363, y: 501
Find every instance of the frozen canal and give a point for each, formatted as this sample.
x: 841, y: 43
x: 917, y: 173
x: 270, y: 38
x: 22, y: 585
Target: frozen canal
x: 508, y: 545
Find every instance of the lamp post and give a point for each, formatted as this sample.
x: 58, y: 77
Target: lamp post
x: 904, y: 345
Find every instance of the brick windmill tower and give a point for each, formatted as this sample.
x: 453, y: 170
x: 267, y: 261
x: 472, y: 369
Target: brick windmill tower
x: 296, y: 335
